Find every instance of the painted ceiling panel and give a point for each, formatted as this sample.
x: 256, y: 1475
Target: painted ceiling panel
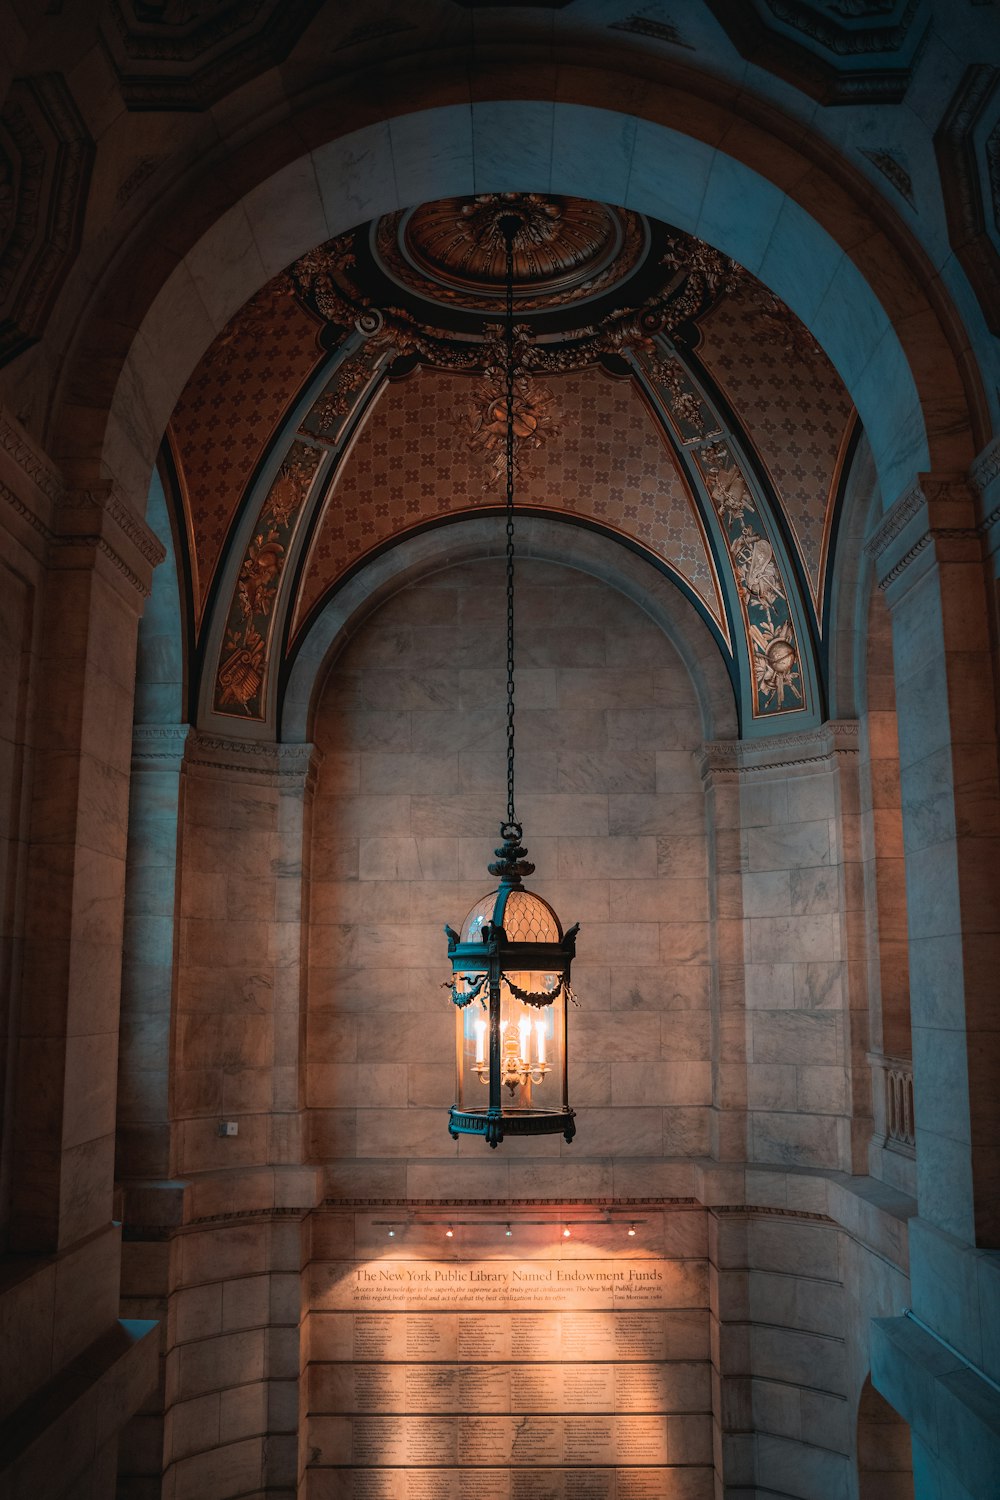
x: 427, y: 450
x: 791, y: 401
x: 228, y: 412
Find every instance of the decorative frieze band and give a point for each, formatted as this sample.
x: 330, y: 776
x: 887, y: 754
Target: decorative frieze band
x: 725, y: 759
x: 158, y: 746
x: 109, y: 500
x: 98, y: 519
x: 15, y: 442
x: 986, y: 467
x: 263, y: 759
x: 938, y: 511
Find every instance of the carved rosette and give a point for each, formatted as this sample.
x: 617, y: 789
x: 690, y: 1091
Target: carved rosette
x: 565, y: 250
x: 45, y: 160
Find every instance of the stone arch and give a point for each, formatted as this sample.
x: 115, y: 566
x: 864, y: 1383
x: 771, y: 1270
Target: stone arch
x: 540, y: 538
x: 408, y: 727
x: 885, y: 1459
x: 758, y: 192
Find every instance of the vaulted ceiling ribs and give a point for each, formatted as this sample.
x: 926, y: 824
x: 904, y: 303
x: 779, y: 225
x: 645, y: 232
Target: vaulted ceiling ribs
x: 664, y: 397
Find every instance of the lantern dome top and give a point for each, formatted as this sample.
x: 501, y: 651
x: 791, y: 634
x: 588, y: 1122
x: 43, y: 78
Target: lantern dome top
x: 525, y: 917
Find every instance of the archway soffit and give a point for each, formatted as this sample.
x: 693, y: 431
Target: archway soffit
x: 765, y: 193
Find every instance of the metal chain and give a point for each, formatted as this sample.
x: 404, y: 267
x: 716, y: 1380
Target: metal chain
x: 509, y: 232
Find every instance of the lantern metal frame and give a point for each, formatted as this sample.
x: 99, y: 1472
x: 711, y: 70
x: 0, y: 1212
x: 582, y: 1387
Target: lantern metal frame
x: 488, y: 964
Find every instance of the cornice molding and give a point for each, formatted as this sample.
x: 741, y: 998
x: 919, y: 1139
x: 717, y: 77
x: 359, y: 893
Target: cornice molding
x: 263, y: 759
x: 16, y: 443
x: 909, y: 523
x: 109, y: 500
x: 32, y: 517
x: 909, y: 504
x: 986, y: 467
x: 158, y: 746
x: 736, y: 759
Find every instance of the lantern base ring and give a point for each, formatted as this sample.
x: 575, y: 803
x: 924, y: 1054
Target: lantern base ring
x: 494, y: 1124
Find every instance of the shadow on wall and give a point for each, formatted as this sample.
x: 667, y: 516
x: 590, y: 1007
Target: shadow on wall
x: 885, y: 1459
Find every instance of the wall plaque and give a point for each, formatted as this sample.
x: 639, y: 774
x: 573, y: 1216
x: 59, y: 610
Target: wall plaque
x: 556, y: 1374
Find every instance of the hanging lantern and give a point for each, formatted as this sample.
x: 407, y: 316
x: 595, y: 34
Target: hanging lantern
x: 511, y: 962
x: 511, y: 985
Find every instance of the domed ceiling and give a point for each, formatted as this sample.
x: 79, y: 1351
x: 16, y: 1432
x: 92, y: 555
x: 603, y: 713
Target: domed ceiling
x: 664, y: 397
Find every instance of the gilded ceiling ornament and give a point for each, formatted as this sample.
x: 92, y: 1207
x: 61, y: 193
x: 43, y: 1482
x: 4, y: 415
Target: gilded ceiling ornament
x: 775, y: 665
x: 686, y: 406
x: 533, y: 424
x: 243, y: 667
x: 241, y: 673
x: 565, y: 249
x: 727, y: 487
x: 252, y: 323
x: 756, y: 571
x: 770, y: 632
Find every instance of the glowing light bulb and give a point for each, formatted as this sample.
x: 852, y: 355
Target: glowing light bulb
x: 566, y: 1234
x: 480, y: 1042
x: 392, y: 1234
x: 449, y: 1233
x: 631, y: 1231
x: 508, y: 1231
x: 540, y: 1034
x: 524, y: 1032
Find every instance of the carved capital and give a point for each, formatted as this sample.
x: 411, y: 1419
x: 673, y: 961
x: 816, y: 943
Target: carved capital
x: 933, y: 520
x: 101, y: 519
x: 159, y: 747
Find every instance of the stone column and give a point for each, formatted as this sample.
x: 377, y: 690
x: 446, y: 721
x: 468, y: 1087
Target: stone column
x: 930, y: 565
x: 82, y: 565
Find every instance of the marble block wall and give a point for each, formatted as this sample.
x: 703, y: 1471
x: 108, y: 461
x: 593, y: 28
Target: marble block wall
x: 526, y: 1364
x: 791, y: 939
x: 238, y: 1015
x: 231, y: 1377
x: 410, y: 793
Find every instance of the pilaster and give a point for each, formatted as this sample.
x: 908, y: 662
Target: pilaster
x: 929, y: 559
x: 143, y: 1119
x: 244, y: 893
x: 98, y: 560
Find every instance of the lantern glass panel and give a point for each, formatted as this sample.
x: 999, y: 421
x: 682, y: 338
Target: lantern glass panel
x: 532, y: 1047
x: 525, y: 918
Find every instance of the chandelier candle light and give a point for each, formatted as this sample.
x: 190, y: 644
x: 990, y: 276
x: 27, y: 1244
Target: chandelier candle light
x: 511, y: 964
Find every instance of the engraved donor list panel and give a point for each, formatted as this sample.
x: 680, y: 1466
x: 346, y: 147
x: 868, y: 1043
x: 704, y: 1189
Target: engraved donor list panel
x: 529, y: 1365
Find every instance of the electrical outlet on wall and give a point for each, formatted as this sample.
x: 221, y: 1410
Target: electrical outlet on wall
x: 229, y: 1127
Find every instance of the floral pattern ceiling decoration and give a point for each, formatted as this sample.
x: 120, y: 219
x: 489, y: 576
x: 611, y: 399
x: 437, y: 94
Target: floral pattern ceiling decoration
x: 664, y: 397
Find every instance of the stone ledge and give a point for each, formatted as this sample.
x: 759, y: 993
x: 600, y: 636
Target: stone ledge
x: 952, y: 1409
x: 54, y: 1436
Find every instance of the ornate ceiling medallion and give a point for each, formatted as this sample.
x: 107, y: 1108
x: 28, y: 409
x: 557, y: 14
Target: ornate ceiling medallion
x: 566, y: 250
